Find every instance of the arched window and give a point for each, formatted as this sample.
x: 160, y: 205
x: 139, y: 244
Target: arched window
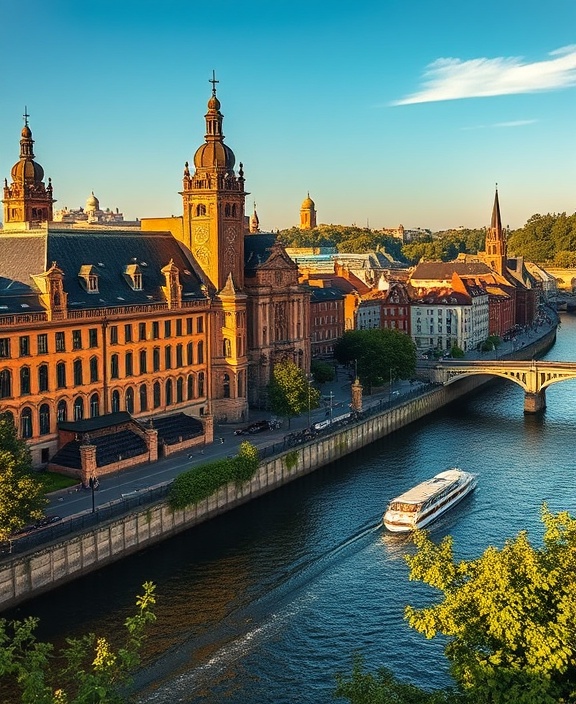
x: 44, y: 417
x: 201, y: 384
x: 62, y: 412
x: 201, y: 209
x: 190, y: 353
x: 128, y: 364
x: 129, y: 400
x: 168, y: 357
x: 143, y: 393
x: 190, y: 385
x: 61, y: 375
x: 227, y: 210
x: 114, y: 367
x: 24, y: 381
x: 227, y: 348
x: 179, y: 390
x: 93, y: 368
x: 5, y: 383
x: 169, y: 399
x: 94, y: 406
x: 226, y: 386
x: 78, y: 408
x: 143, y: 362
x: 78, y: 372
x: 179, y: 355
x: 26, y: 423
x: 9, y: 416
x: 115, y: 401
x: 200, y: 353
x: 43, y: 377
x: 156, y: 394
x: 156, y: 359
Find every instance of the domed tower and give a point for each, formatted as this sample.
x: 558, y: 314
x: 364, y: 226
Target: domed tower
x: 307, y: 214
x: 213, y: 199
x: 92, y: 208
x: 27, y: 200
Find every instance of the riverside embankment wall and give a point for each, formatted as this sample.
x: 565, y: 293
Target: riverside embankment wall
x: 29, y: 574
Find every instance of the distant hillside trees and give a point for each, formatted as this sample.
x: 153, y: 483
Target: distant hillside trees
x: 548, y: 239
x: 445, y: 245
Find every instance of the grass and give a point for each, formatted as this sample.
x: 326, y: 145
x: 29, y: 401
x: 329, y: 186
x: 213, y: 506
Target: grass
x: 54, y: 482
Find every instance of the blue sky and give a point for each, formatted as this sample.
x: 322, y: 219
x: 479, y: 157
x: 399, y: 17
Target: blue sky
x: 387, y: 112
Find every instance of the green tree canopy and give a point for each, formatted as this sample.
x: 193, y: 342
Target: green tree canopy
x: 379, y: 353
x: 289, y: 392
x: 87, y: 671
x: 21, y: 494
x: 509, y: 616
x: 322, y: 371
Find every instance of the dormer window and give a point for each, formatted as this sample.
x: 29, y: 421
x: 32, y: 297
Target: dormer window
x: 89, y: 278
x: 133, y: 276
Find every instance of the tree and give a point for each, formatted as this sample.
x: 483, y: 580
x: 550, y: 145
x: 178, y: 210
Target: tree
x: 87, y: 671
x: 21, y: 494
x: 289, y: 392
x: 322, y: 371
x: 380, y: 354
x: 510, y: 615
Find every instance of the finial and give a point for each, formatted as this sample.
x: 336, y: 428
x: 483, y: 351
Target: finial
x: 26, y: 115
x: 496, y: 185
x: 213, y: 81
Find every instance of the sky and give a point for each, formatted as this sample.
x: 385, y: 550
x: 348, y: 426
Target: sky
x: 386, y: 112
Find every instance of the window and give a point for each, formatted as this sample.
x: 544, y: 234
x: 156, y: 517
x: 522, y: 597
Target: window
x: 93, y: 369
x: 190, y: 385
x: 129, y: 400
x: 156, y: 393
x: 114, y: 367
x: 129, y: 364
x: 179, y: 390
x: 128, y: 333
x: 61, y: 375
x: 113, y: 334
x: 199, y: 324
x: 25, y: 346
x: 189, y: 328
x: 155, y: 330
x: 93, y: 337
x: 179, y: 355
x: 44, y: 418
x: 26, y: 423
x: 24, y: 381
x: 78, y: 408
x: 226, y: 386
x: 167, y: 328
x: 143, y: 362
x: 141, y: 331
x: 43, y: 377
x: 115, y: 401
x: 78, y: 372
x: 143, y: 393
x: 169, y: 399
x: 4, y: 347
x: 156, y: 359
x: 94, y: 406
x: 227, y: 348
x: 201, y: 384
x: 42, y: 341
x: 60, y: 342
x: 76, y: 339
x: 5, y: 383
x: 179, y: 327
x: 168, y: 357
x: 200, y: 353
x: 200, y: 209
x: 190, y: 353
x: 62, y: 412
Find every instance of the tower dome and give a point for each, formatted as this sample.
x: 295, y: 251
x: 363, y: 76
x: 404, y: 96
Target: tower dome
x: 92, y: 203
x: 214, y: 154
x: 308, y: 202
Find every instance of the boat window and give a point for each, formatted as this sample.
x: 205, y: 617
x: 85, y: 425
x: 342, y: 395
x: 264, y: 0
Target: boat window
x: 405, y: 508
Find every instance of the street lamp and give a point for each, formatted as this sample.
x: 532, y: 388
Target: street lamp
x: 93, y: 484
x: 331, y: 397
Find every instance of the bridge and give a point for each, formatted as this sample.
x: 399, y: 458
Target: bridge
x: 534, y: 376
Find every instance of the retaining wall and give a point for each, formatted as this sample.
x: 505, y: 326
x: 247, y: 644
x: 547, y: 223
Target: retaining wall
x: 25, y: 576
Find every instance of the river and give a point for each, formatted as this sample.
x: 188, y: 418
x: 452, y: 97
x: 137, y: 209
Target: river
x: 264, y: 605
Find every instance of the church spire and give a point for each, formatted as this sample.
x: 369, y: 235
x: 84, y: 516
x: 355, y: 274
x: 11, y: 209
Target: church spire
x: 496, y: 223
x: 495, y: 240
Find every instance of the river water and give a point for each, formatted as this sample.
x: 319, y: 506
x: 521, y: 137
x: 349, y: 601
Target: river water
x: 265, y: 604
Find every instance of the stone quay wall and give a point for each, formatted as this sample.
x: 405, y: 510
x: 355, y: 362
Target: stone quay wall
x: 30, y: 574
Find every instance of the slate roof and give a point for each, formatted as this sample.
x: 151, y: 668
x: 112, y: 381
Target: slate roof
x: 443, y: 271
x: 257, y: 249
x: 108, y: 251
x: 319, y: 294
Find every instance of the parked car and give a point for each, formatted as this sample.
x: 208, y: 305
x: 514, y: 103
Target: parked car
x: 256, y: 427
x: 47, y: 521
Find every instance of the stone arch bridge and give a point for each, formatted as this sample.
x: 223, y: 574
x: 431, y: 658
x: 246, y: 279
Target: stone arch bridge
x: 534, y: 376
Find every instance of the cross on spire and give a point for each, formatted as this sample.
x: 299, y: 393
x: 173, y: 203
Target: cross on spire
x: 26, y: 115
x: 213, y: 81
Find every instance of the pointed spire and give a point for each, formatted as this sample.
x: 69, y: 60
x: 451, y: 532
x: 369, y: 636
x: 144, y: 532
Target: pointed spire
x: 496, y: 223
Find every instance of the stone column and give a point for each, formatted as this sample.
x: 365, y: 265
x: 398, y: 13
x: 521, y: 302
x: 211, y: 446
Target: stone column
x: 152, y: 442
x: 357, y: 395
x: 208, y: 428
x: 535, y: 402
x: 88, y: 463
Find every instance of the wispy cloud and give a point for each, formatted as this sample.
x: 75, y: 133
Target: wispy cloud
x: 452, y: 79
x: 511, y: 123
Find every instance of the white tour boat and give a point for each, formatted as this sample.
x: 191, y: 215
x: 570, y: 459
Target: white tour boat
x: 422, y: 504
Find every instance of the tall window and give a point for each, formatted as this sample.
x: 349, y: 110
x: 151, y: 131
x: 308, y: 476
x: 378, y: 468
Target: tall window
x: 76, y: 339
x: 199, y: 324
x: 25, y: 346
x: 201, y: 384
x: 226, y: 386
x: 156, y: 359
x: 227, y: 347
x: 156, y: 394
x: 5, y: 383
x: 167, y: 328
x: 93, y: 337
x: 24, y: 381
x: 179, y: 327
x: 189, y: 328
x: 169, y: 400
x: 94, y: 406
x: 179, y: 355
x: 155, y: 329
x: 60, y: 342
x: 4, y: 347
x: 168, y: 357
x: 179, y: 390
x: 78, y: 372
x: 141, y: 331
x: 129, y: 400
x: 190, y: 354
x: 113, y: 334
x: 143, y: 362
x: 78, y: 408
x: 128, y: 332
x: 114, y: 367
x: 129, y: 364
x: 61, y: 375
x: 26, y: 423
x: 93, y: 368
x: 42, y: 341
x: 44, y: 418
x: 190, y: 385
x: 115, y: 401
x: 62, y: 412
x: 143, y: 398
x: 43, y: 377
x: 200, y: 352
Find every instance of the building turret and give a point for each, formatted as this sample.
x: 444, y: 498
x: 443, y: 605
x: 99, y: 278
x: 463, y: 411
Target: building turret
x: 307, y: 214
